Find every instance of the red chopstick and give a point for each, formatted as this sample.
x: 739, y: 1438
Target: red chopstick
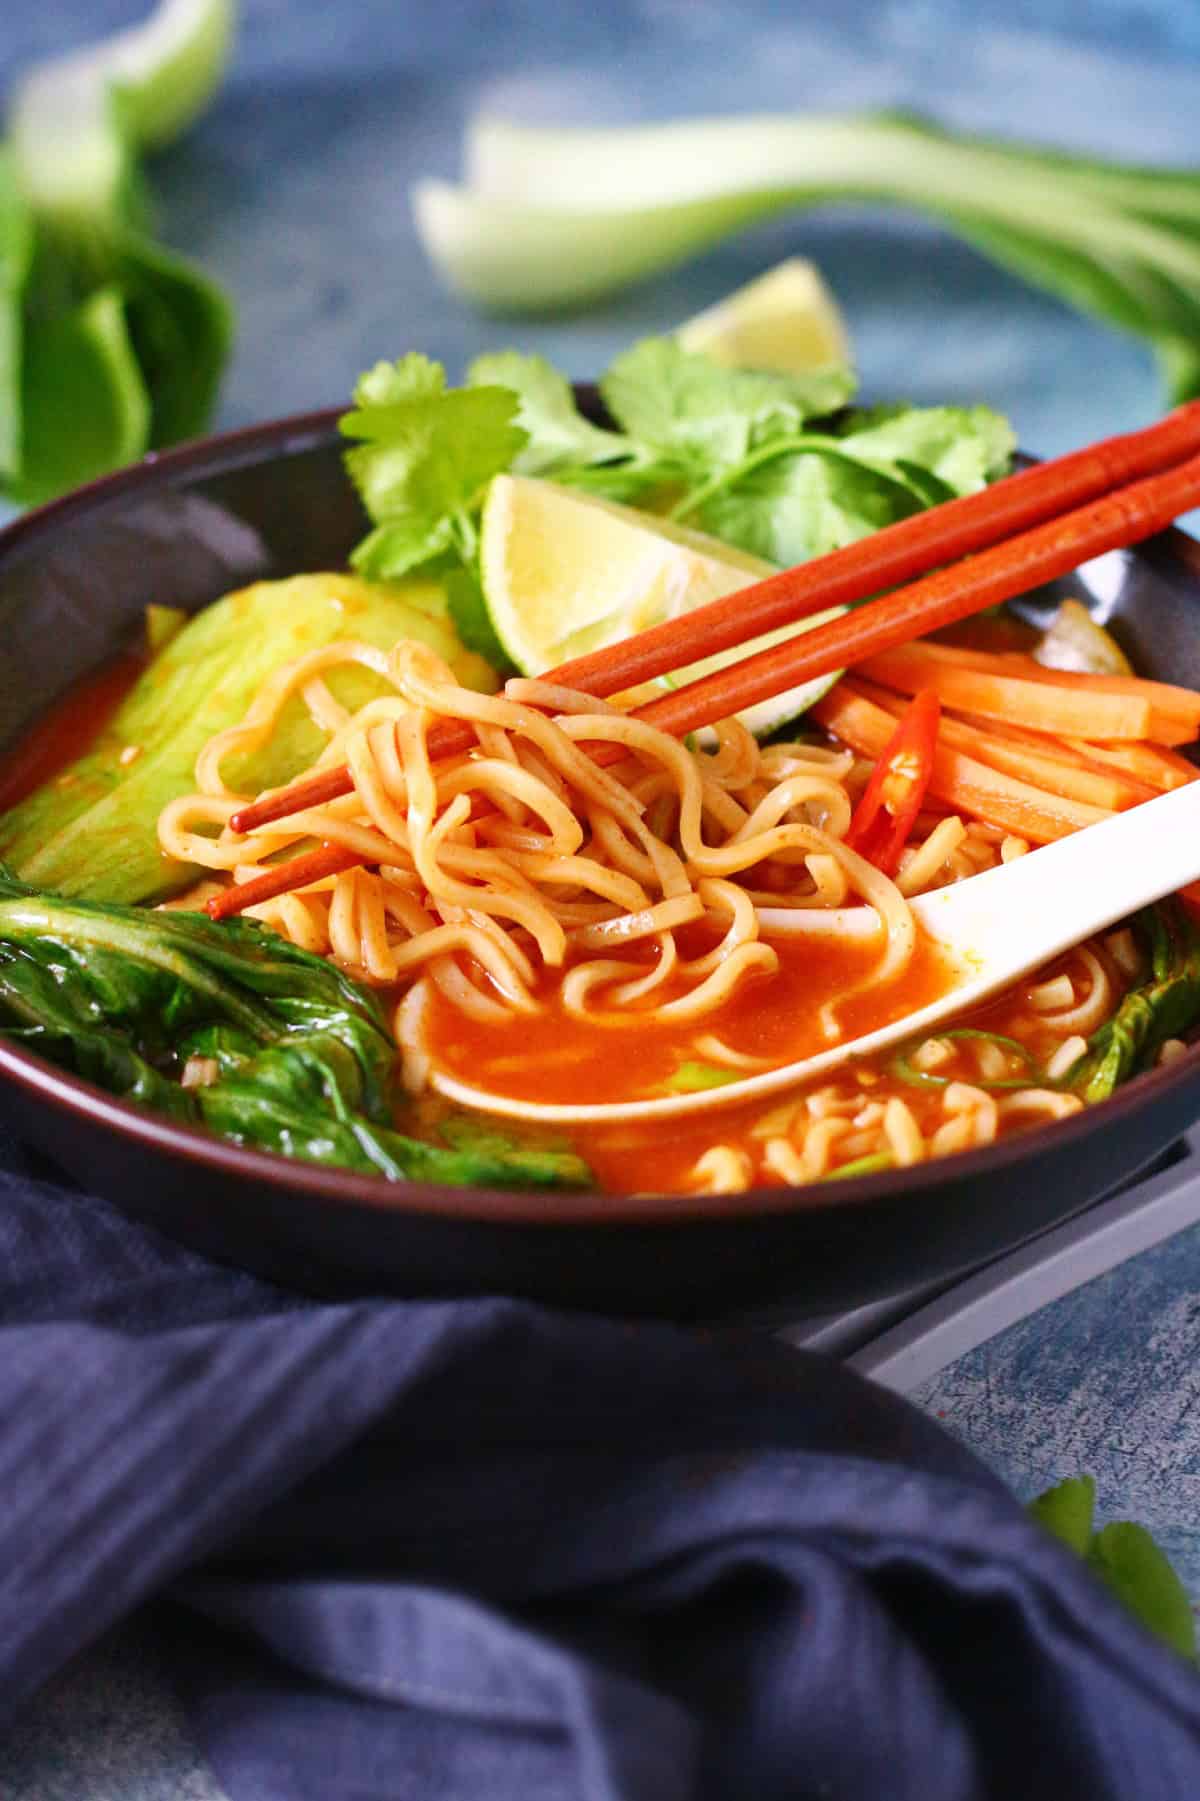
x: 1000, y: 573
x: 994, y: 574
x: 895, y: 554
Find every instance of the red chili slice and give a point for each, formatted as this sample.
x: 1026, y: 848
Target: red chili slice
x: 895, y: 793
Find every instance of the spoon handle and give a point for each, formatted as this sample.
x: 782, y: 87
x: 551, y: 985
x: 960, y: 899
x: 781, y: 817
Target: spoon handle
x: 1012, y: 918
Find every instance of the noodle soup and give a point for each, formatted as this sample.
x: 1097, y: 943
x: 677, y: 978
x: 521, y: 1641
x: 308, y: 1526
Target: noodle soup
x: 326, y: 884
x: 564, y: 931
x: 559, y: 933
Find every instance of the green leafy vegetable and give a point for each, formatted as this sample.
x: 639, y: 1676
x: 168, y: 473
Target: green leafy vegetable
x: 903, y: 1069
x: 547, y: 1158
x: 728, y: 449
x: 959, y: 448
x: 703, y: 416
x: 85, y: 405
x: 92, y: 829
x: 1067, y: 1511
x: 472, y: 622
x: 557, y: 433
x: 1163, y: 1007
x: 691, y: 1077
x: 1112, y: 239
x: 1125, y: 1558
x: 426, y: 455
x: 16, y: 253
x: 800, y: 497
x: 293, y: 1056
x: 163, y: 624
x: 110, y: 344
x: 181, y: 326
x: 861, y: 1166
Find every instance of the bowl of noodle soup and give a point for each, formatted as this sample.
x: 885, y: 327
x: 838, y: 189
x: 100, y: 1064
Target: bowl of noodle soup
x: 701, y: 1213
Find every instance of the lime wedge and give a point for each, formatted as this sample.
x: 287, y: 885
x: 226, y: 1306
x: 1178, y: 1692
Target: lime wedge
x: 786, y: 320
x: 566, y: 573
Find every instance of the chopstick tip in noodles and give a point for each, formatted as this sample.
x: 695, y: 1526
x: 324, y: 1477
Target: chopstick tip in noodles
x: 282, y: 878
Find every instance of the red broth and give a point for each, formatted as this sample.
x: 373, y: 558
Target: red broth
x: 67, y: 730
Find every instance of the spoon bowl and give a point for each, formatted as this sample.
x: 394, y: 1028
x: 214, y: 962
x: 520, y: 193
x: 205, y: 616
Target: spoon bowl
x: 991, y: 930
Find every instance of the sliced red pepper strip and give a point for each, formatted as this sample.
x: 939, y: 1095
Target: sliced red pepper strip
x: 895, y: 793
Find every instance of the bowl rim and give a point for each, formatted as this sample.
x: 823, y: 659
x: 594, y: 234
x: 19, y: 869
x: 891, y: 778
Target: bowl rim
x: 550, y: 1209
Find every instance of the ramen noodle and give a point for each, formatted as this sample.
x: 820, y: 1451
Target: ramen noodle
x: 555, y: 925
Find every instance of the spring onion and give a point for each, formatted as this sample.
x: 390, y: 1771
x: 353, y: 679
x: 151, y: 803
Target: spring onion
x: 862, y: 1166
x: 903, y: 1069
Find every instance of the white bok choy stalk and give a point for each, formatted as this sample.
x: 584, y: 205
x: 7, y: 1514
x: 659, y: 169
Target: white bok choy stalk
x: 1117, y: 241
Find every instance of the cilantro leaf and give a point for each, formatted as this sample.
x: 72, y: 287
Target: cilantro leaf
x: 425, y: 456
x: 963, y: 447
x: 706, y: 415
x: 401, y: 544
x: 798, y: 496
x: 804, y: 501
x: 730, y: 449
x: 468, y: 610
x: 557, y: 431
x: 564, y: 446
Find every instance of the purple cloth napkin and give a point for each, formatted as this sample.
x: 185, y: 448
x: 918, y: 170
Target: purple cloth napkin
x: 480, y: 1549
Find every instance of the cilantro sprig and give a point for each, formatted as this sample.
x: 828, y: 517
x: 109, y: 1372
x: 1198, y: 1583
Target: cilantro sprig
x: 776, y: 464
x: 424, y: 457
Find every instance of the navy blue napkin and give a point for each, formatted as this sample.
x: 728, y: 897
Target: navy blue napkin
x: 481, y: 1549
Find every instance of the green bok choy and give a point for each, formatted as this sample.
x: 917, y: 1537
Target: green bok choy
x: 1164, y: 1006
x: 280, y: 1050
x: 1115, y: 240
x: 110, y: 344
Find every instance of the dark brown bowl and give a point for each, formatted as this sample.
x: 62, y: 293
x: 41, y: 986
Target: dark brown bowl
x: 185, y: 527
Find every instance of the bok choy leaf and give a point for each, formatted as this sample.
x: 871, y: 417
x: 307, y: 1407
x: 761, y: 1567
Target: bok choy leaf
x: 110, y: 344
x: 284, y: 1052
x: 1161, y: 1008
x: 16, y: 252
x: 1115, y: 240
x: 91, y: 830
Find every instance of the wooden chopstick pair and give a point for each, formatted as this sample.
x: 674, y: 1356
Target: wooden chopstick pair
x: 1025, y: 529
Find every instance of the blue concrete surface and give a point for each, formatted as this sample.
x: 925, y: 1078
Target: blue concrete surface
x: 1105, y: 1380
x: 293, y: 191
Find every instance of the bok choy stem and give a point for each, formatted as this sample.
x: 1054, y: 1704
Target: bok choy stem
x: 1113, y: 240
x: 110, y: 344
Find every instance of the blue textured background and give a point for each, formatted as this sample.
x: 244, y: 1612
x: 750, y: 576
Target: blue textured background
x: 293, y: 192
x: 293, y: 189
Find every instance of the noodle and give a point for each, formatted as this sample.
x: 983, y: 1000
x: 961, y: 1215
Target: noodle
x: 526, y: 875
x: 525, y: 855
